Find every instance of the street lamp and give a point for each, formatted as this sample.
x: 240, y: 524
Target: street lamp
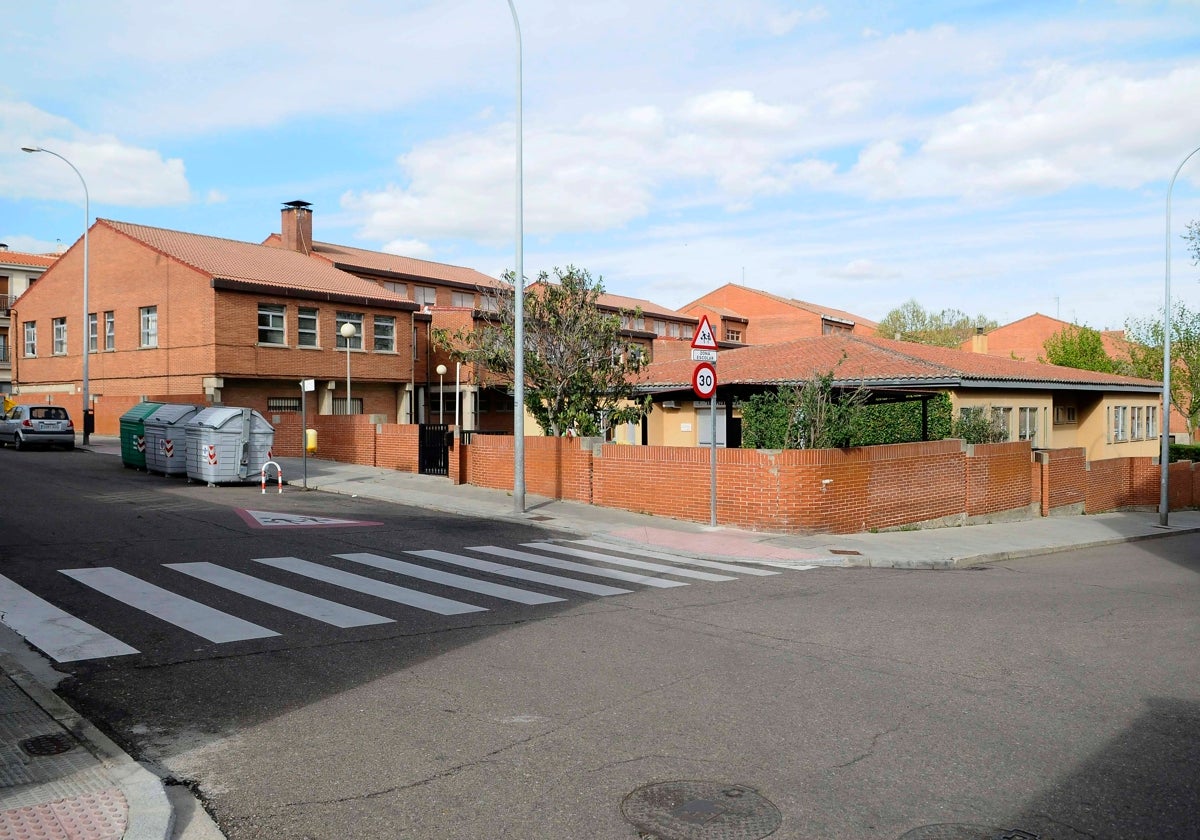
x: 348, y: 332
x: 87, y: 220
x: 1164, y: 447
x: 519, y: 299
x: 441, y: 372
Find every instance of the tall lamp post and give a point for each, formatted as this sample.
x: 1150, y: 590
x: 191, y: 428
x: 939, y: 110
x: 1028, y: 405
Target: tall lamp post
x: 1165, y: 450
x: 441, y: 372
x: 519, y: 303
x: 86, y: 330
x: 348, y: 332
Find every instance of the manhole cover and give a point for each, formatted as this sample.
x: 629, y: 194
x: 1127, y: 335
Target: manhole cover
x: 963, y: 831
x: 700, y: 811
x: 43, y: 745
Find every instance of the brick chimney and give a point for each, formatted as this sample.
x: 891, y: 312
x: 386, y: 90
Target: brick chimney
x: 297, y: 226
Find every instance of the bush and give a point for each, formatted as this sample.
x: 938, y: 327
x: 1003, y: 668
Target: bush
x: 1183, y: 452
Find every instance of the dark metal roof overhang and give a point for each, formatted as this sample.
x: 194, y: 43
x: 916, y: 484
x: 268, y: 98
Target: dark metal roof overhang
x: 1042, y: 385
x: 234, y: 285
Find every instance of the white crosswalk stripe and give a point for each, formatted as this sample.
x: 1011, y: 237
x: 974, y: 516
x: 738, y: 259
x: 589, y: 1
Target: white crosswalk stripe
x: 66, y: 638
x: 204, y: 621
x: 567, y: 565
x: 311, y: 606
x: 632, y: 564
x: 370, y: 586
x: 496, y: 590
x: 58, y: 634
x: 738, y: 568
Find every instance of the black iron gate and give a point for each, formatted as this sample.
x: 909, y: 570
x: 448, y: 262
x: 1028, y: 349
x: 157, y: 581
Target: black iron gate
x: 433, y: 449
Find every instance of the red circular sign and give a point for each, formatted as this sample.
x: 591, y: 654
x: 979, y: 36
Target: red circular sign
x: 704, y: 380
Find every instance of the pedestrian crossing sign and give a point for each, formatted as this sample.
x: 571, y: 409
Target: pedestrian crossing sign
x: 705, y: 338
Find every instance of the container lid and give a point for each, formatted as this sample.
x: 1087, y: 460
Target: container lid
x: 141, y: 411
x: 219, y: 416
x: 172, y: 413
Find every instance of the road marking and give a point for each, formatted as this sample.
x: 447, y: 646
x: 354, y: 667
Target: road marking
x: 674, y: 558
x: 520, y: 574
x: 204, y: 621
x: 632, y: 564
x: 270, y: 519
x: 496, y: 590
x: 58, y: 634
x: 567, y: 565
x: 370, y: 586
x: 302, y: 603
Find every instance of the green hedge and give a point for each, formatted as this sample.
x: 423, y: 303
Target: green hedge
x: 1183, y: 452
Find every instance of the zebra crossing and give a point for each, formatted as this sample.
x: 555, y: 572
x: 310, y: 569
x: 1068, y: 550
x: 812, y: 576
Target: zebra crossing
x: 573, y: 568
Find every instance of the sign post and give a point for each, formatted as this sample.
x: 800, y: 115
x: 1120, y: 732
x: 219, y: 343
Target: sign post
x: 704, y: 383
x: 306, y: 385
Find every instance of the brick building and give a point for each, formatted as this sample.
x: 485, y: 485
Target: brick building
x: 741, y: 315
x: 18, y: 271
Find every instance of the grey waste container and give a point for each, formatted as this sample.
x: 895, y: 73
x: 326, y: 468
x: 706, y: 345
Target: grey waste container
x: 227, y: 445
x: 166, y: 438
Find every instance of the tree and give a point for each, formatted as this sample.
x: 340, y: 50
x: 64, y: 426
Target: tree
x: 1145, y: 336
x: 579, y: 369
x: 806, y: 416
x: 1079, y: 347
x: 948, y: 328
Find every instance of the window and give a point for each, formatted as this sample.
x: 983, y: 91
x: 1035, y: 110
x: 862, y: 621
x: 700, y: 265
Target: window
x: 270, y: 324
x: 355, y: 342
x: 489, y: 303
x: 1027, y: 421
x: 30, y: 339
x: 110, y: 331
x: 1135, y: 422
x: 283, y: 404
x: 425, y: 295
x: 385, y: 333
x: 733, y: 335
x: 148, y: 329
x: 339, y: 405
x: 1064, y: 414
x: 93, y: 333
x: 1002, y: 420
x: 60, y: 336
x: 829, y: 327
x: 1120, y: 423
x: 306, y: 328
x: 464, y: 300
x: 659, y: 327
x: 1152, y: 421
x: 399, y: 288
x: 673, y: 330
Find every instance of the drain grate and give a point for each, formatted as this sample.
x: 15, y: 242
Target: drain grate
x: 963, y: 831
x: 44, y: 745
x: 848, y: 551
x: 699, y: 810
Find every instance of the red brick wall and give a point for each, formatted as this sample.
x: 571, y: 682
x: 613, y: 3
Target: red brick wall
x: 998, y: 478
x: 560, y: 468
x: 1137, y: 482
x: 1064, y: 478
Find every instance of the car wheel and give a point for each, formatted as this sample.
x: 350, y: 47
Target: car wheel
x: 18, y: 441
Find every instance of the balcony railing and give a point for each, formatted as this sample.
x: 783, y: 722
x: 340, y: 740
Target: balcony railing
x: 5, y: 359
x: 6, y: 302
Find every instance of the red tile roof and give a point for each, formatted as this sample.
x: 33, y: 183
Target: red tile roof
x: 837, y: 314
x: 257, y: 264
x: 880, y: 363
x: 32, y: 260
x: 648, y: 307
x: 350, y: 259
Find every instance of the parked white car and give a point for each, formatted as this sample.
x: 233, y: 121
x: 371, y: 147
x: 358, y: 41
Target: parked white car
x: 37, y: 425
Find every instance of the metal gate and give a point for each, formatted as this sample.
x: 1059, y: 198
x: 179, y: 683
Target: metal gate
x: 433, y: 449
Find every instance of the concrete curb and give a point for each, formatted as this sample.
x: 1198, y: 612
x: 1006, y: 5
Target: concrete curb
x: 150, y: 816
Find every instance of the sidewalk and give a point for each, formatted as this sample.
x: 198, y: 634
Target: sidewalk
x: 92, y: 790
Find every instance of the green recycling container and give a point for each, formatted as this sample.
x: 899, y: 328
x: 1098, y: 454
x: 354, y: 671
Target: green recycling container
x: 133, y: 434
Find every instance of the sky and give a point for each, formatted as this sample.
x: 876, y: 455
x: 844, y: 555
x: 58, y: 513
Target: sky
x: 999, y: 158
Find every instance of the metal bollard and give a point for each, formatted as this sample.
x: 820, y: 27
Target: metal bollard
x: 278, y: 475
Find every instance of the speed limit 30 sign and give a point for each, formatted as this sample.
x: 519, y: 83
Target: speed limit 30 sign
x: 704, y: 380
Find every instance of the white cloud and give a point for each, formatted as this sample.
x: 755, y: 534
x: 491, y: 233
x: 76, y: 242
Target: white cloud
x: 414, y: 248
x: 738, y: 111
x: 783, y: 23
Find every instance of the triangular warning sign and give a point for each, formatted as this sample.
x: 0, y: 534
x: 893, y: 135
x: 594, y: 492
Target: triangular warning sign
x: 705, y: 338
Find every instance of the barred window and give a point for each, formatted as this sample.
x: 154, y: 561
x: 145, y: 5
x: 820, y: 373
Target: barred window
x: 283, y: 404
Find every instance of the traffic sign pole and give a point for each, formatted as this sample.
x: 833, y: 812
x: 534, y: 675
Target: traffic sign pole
x: 712, y: 464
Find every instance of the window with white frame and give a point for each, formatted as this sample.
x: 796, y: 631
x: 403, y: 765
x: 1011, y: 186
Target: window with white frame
x: 270, y: 324
x: 660, y: 327
x: 1120, y: 423
x: 399, y: 288
x: 1002, y: 419
x: 30, y: 339
x: 1135, y: 422
x: 673, y: 329
x: 306, y: 327
x: 93, y: 333
x: 489, y: 303
x: 733, y: 335
x: 356, y: 341
x: 463, y: 300
x: 148, y: 326
x: 425, y: 295
x: 384, y: 328
x: 1027, y: 423
x: 60, y: 336
x: 1151, y: 422
x: 110, y: 330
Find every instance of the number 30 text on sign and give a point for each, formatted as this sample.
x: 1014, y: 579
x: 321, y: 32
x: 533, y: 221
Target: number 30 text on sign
x: 704, y: 380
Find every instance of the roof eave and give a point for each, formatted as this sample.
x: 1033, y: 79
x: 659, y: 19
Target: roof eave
x: 236, y: 285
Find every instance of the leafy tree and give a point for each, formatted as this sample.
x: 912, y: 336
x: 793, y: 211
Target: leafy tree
x: 1145, y: 337
x: 979, y: 426
x: 948, y: 328
x: 579, y: 369
x: 806, y: 416
x: 1078, y: 347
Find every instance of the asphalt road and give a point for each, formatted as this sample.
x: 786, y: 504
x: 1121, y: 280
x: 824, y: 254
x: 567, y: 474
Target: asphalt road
x: 1056, y: 695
